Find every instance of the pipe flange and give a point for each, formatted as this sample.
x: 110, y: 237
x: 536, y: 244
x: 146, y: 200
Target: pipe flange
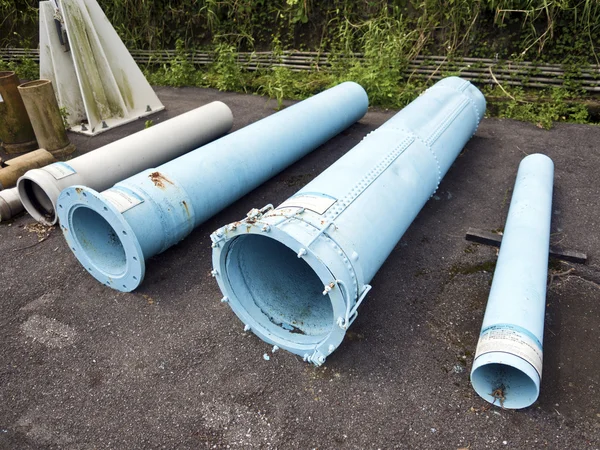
x: 313, y: 348
x: 90, y: 223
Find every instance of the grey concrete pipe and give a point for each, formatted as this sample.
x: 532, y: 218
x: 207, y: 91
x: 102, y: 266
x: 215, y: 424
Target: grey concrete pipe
x: 44, y: 113
x: 17, y: 167
x: 16, y: 133
x: 102, y: 168
x: 10, y: 204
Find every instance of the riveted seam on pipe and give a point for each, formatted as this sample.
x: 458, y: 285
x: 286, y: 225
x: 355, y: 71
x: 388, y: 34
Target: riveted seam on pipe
x: 437, y: 133
x: 321, y: 235
x: 331, y: 241
x: 461, y: 89
x: 370, y: 177
x: 353, y: 270
x: 446, y: 123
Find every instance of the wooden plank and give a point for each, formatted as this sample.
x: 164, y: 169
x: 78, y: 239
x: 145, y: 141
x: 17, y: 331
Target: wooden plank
x: 494, y: 240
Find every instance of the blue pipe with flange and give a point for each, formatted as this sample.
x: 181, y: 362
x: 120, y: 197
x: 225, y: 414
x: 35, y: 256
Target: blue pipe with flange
x: 507, y: 368
x: 112, y: 233
x: 296, y: 275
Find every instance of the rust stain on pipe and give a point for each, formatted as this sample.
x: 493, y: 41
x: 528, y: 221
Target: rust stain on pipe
x: 159, y: 180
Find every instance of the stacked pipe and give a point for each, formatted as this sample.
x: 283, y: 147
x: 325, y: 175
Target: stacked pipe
x: 39, y: 188
x: 296, y: 275
x: 113, y: 232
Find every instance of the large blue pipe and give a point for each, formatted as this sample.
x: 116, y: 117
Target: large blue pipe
x: 113, y: 232
x: 507, y: 368
x: 295, y: 275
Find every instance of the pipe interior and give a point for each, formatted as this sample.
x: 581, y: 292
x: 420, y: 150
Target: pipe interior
x: 492, y: 381
x: 280, y: 291
x: 36, y: 199
x: 99, y: 241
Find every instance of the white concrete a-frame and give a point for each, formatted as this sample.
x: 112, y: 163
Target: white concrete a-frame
x: 95, y: 77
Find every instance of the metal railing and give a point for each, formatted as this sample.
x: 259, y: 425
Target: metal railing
x: 478, y: 70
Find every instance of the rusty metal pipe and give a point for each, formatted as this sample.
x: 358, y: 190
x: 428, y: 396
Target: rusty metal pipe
x: 16, y: 167
x: 16, y: 133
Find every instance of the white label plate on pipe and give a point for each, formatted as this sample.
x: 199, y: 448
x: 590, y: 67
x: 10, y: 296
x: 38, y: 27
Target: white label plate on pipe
x: 1, y: 99
x: 318, y: 203
x: 59, y: 170
x: 122, y: 200
x: 511, y: 339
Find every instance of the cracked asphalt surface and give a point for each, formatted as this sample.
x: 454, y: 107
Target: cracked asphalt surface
x: 169, y: 366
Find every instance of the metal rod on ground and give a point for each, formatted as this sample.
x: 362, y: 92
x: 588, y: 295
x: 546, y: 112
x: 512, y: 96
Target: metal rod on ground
x: 487, y: 238
x: 39, y: 188
x: 507, y: 368
x: 113, y: 232
x: 296, y: 275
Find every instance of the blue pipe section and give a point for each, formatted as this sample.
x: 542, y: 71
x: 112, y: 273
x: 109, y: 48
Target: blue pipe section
x: 295, y: 275
x: 507, y: 368
x: 113, y: 232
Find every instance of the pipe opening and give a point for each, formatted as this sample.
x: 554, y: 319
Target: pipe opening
x: 33, y: 84
x: 99, y: 241
x: 36, y: 200
x: 504, y: 385
x: 281, y: 292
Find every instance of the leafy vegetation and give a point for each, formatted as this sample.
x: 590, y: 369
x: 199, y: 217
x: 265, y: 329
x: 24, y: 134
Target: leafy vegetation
x: 25, y: 68
x: 388, y: 35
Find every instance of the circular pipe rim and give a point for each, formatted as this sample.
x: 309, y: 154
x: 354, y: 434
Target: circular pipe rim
x: 6, y: 74
x: 485, y: 388
x: 76, y: 197
x: 33, y: 84
x: 46, y: 183
x: 333, y: 337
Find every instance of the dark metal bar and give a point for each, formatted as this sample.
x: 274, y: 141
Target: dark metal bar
x: 494, y: 240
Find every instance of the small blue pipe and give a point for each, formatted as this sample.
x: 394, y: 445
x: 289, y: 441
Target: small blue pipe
x: 113, y: 232
x: 295, y: 275
x: 507, y: 368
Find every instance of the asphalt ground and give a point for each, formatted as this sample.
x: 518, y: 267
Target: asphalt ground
x: 169, y: 366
